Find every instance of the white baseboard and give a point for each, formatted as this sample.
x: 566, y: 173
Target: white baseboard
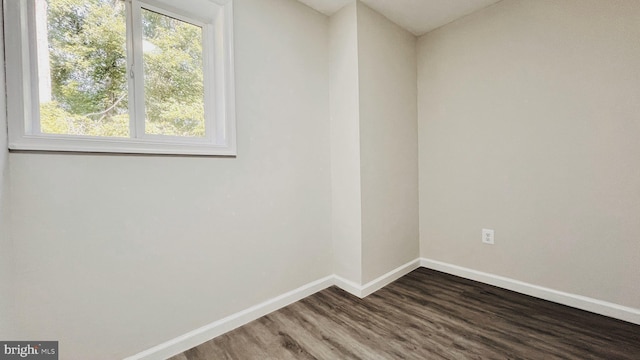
x: 616, y: 311
x: 217, y: 328
x: 372, y: 286
x: 348, y: 286
x: 208, y: 332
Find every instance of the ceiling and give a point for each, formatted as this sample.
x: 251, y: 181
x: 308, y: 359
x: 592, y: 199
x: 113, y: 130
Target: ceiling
x: 417, y: 16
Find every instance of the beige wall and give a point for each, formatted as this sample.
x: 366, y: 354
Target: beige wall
x: 125, y: 252
x: 527, y: 124
x: 6, y: 248
x: 529, y: 115
x: 388, y: 144
x: 345, y: 145
x: 373, y: 144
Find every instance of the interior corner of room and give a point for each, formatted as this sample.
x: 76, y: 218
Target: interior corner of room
x: 365, y: 150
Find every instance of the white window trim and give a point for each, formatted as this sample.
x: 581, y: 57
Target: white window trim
x: 22, y: 92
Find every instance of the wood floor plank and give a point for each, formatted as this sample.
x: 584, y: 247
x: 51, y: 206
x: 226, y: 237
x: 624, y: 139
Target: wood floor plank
x: 426, y: 315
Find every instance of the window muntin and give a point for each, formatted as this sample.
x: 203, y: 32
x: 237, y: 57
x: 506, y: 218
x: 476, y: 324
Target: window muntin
x: 144, y: 103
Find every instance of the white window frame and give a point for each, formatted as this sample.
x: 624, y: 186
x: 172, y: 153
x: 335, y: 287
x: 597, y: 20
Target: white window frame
x: 219, y: 98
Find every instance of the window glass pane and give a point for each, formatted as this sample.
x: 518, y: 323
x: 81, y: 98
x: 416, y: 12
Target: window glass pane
x: 173, y: 76
x: 82, y: 67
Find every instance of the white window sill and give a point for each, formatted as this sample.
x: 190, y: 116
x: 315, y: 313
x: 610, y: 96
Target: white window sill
x: 119, y: 146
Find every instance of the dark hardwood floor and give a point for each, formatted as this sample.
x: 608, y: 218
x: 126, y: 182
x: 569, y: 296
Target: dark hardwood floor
x: 426, y: 315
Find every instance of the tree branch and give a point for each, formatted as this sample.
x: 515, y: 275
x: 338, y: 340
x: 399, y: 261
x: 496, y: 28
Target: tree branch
x: 108, y: 109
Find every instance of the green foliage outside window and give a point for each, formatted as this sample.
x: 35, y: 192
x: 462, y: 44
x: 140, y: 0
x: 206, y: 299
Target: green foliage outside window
x: 89, y: 75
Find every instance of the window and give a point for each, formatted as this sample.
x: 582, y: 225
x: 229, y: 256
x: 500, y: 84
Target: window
x: 125, y: 76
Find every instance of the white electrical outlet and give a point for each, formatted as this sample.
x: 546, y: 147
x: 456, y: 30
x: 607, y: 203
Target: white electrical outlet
x: 487, y: 236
